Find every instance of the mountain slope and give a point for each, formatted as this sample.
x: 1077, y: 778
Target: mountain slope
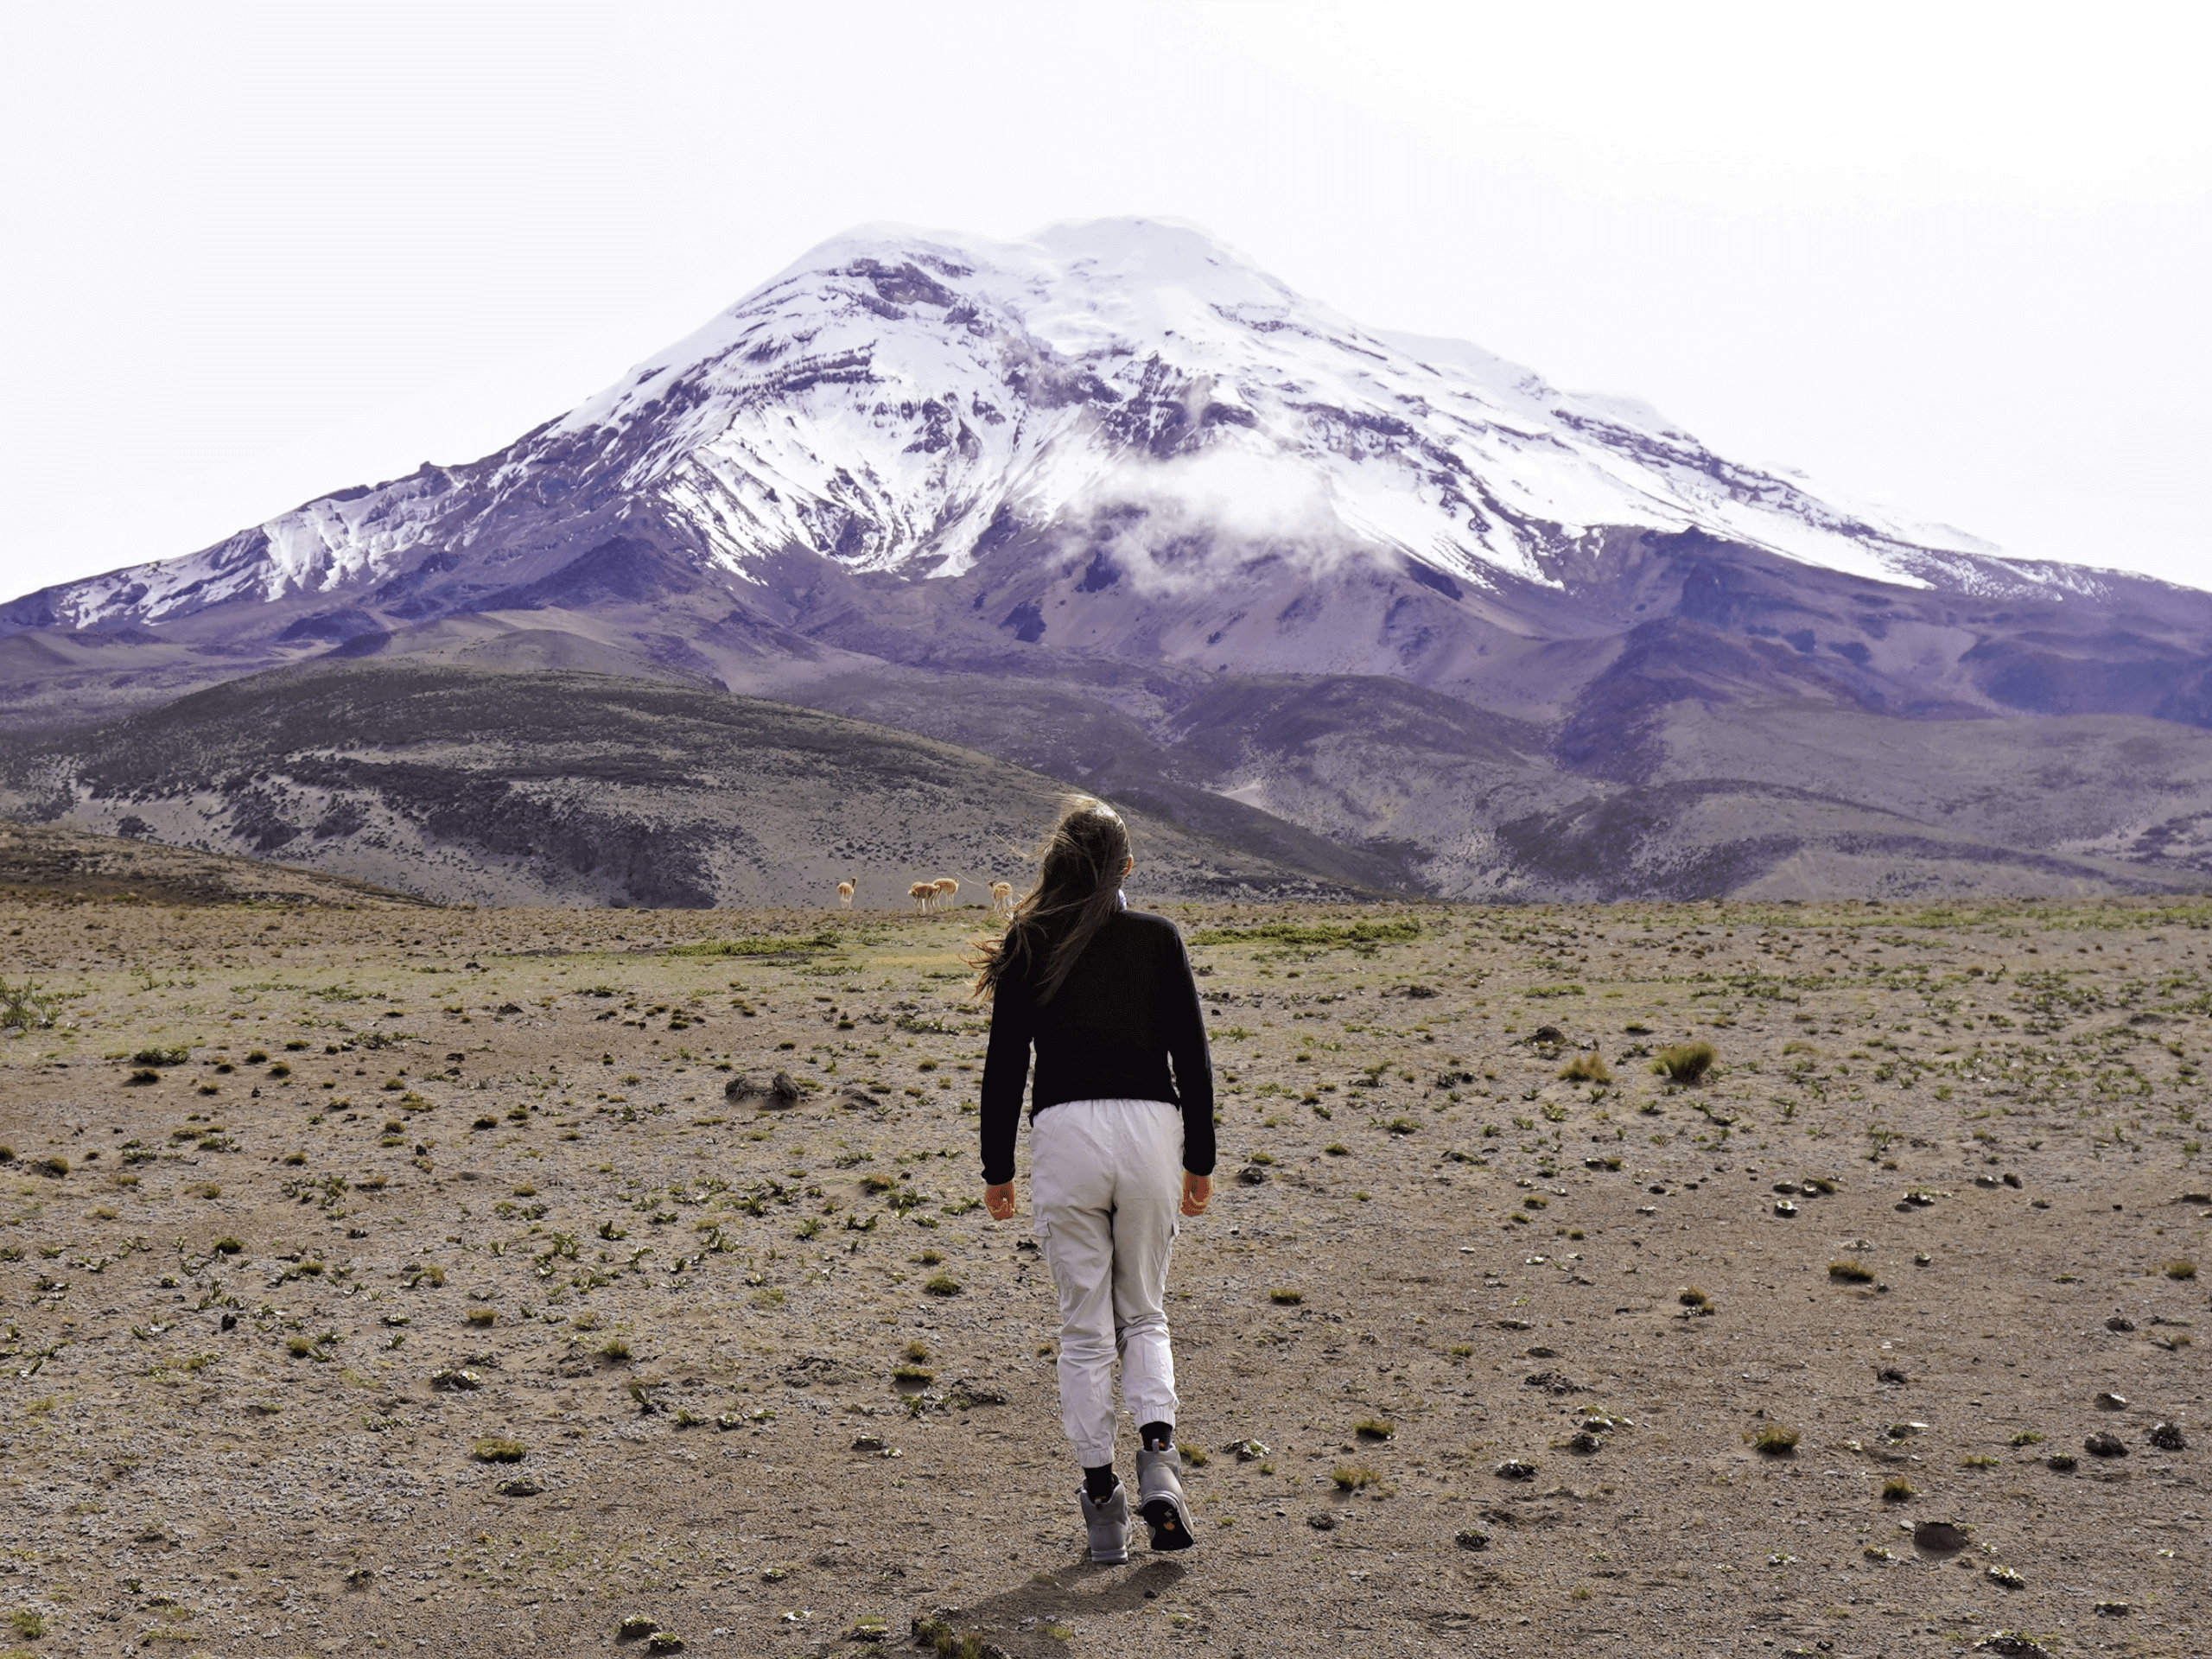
x: 524, y: 787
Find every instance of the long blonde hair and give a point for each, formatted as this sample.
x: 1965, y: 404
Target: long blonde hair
x: 1078, y: 886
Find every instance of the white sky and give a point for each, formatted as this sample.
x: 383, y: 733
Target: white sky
x: 1952, y: 258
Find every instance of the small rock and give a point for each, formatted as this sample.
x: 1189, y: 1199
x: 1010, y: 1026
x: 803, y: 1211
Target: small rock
x: 784, y: 1092
x: 2114, y: 1609
x: 1892, y: 1373
x: 2168, y: 1437
x: 2009, y: 1644
x: 1783, y: 1207
x: 2005, y: 1578
x: 1470, y: 1538
x: 459, y: 1382
x: 1514, y: 1469
x: 664, y: 1642
x: 1322, y: 1520
x: 869, y: 1443
x: 2105, y: 1446
x: 1246, y: 1451
x: 1543, y: 1353
x: 1252, y: 1175
x: 1583, y: 1443
x: 636, y: 1626
x: 2122, y: 1326
x: 521, y: 1486
x: 2110, y: 1402
x: 728, y: 1419
x: 2062, y: 1463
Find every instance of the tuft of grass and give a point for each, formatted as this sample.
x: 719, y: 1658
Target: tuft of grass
x: 1586, y: 1067
x: 498, y: 1448
x: 917, y: 1351
x: 1693, y: 1297
x: 141, y: 1076
x: 482, y: 1315
x: 1683, y: 1061
x: 2027, y: 1437
x: 1286, y: 1298
x: 1354, y: 1476
x: 28, y: 1624
x: 942, y: 1284
x: 1851, y: 1271
x: 1898, y: 1490
x: 615, y: 1350
x: 1375, y: 1428
x: 1774, y: 1441
x: 2179, y: 1268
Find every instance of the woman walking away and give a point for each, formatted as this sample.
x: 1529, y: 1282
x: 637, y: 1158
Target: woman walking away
x: 1121, y: 1131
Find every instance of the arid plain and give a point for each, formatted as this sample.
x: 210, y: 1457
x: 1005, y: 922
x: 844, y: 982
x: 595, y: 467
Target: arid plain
x: 406, y: 1279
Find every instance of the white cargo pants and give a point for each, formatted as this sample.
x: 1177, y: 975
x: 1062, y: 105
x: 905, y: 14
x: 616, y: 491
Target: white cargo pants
x: 1106, y: 1186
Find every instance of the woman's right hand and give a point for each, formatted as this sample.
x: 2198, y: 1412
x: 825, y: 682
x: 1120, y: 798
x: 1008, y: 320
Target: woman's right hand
x: 999, y: 1200
x: 1198, y: 1192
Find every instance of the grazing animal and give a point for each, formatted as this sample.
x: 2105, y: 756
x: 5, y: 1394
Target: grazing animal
x: 947, y: 890
x: 1002, y: 898
x: 845, y: 890
x: 924, y: 893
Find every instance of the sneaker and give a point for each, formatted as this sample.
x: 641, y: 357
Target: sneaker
x: 1160, y: 1500
x: 1108, y: 1523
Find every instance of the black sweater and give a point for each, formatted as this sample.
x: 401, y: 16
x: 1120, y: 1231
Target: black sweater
x: 1127, y: 1009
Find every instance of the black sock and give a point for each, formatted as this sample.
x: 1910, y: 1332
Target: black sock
x: 1098, y: 1484
x: 1156, y: 1437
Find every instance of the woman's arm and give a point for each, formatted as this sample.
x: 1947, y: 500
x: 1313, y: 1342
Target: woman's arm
x: 1006, y: 1074
x: 1185, y: 1023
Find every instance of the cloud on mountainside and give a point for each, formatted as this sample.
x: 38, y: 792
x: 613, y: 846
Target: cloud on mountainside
x: 1180, y: 526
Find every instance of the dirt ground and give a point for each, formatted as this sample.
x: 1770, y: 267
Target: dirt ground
x: 412, y: 1191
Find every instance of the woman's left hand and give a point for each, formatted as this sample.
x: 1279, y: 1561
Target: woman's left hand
x: 999, y: 1200
x: 1198, y: 1192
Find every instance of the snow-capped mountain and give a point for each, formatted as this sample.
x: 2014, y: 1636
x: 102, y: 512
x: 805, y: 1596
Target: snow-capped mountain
x: 895, y: 396
x: 1116, y: 504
